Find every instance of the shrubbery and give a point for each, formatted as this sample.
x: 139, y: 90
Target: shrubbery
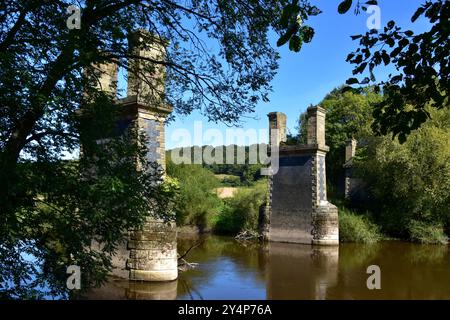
x: 197, y: 201
x: 410, y: 182
x: 242, y: 211
x: 423, y: 232
x: 357, y: 228
x: 199, y: 205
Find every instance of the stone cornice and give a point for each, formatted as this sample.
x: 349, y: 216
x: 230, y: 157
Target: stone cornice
x: 302, y: 149
x: 134, y: 103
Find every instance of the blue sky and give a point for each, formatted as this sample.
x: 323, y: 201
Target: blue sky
x: 304, y: 78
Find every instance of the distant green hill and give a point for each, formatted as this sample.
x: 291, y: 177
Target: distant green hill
x: 241, y: 161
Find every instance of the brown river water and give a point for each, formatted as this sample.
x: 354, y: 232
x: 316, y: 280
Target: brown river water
x: 228, y: 269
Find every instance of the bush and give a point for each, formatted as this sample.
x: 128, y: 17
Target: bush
x: 357, y: 228
x: 197, y: 200
x: 242, y: 211
x: 427, y: 233
x: 410, y: 181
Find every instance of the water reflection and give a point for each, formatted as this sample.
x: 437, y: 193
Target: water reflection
x: 119, y: 289
x: 301, y: 272
x: 231, y: 270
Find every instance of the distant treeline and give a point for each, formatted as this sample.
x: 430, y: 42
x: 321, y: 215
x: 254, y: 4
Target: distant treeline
x: 243, y: 162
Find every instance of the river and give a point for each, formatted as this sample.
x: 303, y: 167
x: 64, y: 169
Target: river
x: 228, y: 269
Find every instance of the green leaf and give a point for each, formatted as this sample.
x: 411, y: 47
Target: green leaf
x: 347, y: 89
x: 417, y: 14
x: 307, y: 33
x: 385, y: 57
x: 295, y: 44
x: 352, y: 81
x: 366, y: 80
x: 289, y: 33
x: 396, y: 51
x: 288, y: 11
x: 358, y: 36
x: 283, y: 39
x: 344, y: 6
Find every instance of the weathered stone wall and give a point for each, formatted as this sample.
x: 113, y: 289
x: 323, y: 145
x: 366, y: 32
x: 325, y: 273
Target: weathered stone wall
x: 153, y: 252
x: 103, y: 77
x: 154, y: 127
x: 291, y: 212
x: 325, y: 225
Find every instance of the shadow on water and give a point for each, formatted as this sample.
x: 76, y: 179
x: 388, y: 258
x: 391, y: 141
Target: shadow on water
x: 119, y: 289
x: 231, y: 270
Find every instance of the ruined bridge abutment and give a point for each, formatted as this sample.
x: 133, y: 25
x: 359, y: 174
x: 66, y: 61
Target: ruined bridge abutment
x: 298, y: 209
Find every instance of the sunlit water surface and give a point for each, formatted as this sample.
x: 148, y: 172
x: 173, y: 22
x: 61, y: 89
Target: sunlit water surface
x: 228, y: 269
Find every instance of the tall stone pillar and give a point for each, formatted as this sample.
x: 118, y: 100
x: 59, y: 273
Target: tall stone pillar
x: 150, y: 253
x: 277, y: 121
x: 153, y: 248
x: 108, y: 78
x: 316, y: 126
x: 277, y: 136
x: 350, y: 150
x: 316, y: 138
x: 325, y: 222
x: 103, y: 77
x: 146, y: 75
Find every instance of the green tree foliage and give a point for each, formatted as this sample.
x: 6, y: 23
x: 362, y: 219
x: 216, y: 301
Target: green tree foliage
x: 425, y: 232
x: 292, y: 20
x: 422, y: 64
x: 421, y: 61
x: 349, y: 115
x: 197, y: 201
x: 199, y: 205
x: 59, y: 208
x: 357, y: 228
x: 411, y: 181
x: 239, y: 165
x: 241, y: 212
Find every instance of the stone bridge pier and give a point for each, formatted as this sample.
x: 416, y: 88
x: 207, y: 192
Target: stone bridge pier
x: 153, y: 248
x: 150, y: 253
x: 298, y: 209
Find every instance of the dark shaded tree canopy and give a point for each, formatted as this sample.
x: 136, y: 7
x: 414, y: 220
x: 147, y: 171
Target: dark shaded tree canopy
x: 422, y: 67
